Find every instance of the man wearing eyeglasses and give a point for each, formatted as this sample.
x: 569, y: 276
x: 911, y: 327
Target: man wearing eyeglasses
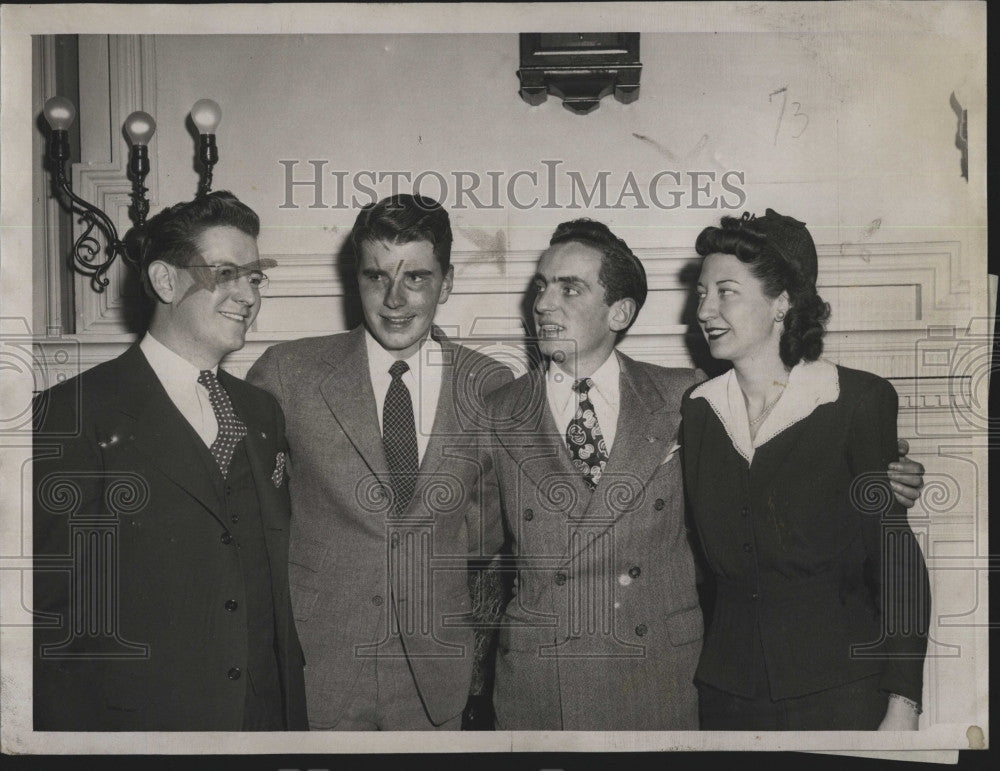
x: 161, y: 513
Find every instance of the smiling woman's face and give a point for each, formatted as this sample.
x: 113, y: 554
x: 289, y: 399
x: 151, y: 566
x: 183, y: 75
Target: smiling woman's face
x: 736, y: 317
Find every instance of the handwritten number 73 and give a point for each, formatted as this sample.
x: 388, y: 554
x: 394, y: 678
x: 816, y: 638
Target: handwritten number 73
x: 796, y: 106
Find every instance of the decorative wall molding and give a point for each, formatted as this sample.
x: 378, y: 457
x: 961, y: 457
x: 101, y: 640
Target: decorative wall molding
x: 131, y: 86
x: 50, y: 260
x: 929, y: 271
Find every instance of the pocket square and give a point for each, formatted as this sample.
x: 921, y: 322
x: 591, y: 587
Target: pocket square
x: 278, y: 475
x: 671, y: 452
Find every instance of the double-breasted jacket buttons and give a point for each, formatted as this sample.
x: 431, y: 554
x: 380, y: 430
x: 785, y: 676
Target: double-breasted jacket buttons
x: 641, y: 630
x: 234, y: 673
x: 231, y: 605
x: 635, y: 571
x: 560, y: 578
x: 658, y: 504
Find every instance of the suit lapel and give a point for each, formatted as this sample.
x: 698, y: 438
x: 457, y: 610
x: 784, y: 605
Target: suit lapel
x: 646, y: 427
x: 348, y: 393
x: 446, y: 425
x: 160, y: 432
x: 257, y: 443
x: 645, y: 432
x: 530, y: 435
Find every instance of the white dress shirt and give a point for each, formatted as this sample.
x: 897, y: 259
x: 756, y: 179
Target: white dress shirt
x: 180, y: 380
x: 605, y: 395
x: 422, y: 380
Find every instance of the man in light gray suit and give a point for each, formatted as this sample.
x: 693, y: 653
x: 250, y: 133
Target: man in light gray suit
x: 385, y: 473
x: 604, y: 629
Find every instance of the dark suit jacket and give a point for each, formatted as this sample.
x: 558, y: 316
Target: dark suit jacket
x: 352, y: 562
x: 808, y: 544
x: 605, y: 629
x: 121, y: 483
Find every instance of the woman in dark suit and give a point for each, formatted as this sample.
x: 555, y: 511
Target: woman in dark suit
x: 822, y: 597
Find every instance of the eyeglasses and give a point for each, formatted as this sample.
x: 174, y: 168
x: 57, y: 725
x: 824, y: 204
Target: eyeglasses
x: 227, y: 273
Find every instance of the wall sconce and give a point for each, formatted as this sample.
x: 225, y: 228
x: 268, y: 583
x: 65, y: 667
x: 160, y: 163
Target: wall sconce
x: 139, y: 128
x: 581, y: 68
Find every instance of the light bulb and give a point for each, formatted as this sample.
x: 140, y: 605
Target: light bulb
x: 140, y: 127
x: 59, y: 112
x: 206, y: 115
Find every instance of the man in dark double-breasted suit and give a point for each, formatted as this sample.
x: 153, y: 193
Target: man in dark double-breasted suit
x: 161, y: 512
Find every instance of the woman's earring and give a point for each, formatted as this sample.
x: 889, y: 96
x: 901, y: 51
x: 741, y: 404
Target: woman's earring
x: 779, y: 316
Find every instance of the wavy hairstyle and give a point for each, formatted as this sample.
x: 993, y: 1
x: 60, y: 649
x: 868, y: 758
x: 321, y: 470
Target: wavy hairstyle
x: 621, y: 273
x: 401, y: 219
x: 172, y: 235
x: 781, y: 254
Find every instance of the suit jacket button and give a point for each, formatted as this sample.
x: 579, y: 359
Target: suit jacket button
x: 641, y: 630
x: 231, y: 605
x: 560, y: 578
x: 226, y: 538
x: 234, y: 673
x: 235, y: 518
x: 747, y: 547
x: 635, y: 571
x: 745, y: 511
x: 529, y: 515
x: 377, y: 600
x: 658, y: 504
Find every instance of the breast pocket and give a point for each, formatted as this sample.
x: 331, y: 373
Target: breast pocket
x: 303, y: 602
x: 685, y: 626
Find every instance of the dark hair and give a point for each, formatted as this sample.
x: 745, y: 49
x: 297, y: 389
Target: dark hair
x: 781, y: 254
x: 621, y: 274
x: 172, y: 235
x: 401, y: 219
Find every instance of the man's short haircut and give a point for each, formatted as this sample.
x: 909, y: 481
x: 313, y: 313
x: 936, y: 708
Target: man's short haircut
x: 172, y: 235
x: 621, y: 273
x: 402, y: 219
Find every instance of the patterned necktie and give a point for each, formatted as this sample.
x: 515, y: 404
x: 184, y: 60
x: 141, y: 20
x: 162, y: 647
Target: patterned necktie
x: 399, y: 437
x: 584, y: 437
x: 231, y: 428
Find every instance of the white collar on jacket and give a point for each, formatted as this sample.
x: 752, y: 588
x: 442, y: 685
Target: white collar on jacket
x: 809, y: 385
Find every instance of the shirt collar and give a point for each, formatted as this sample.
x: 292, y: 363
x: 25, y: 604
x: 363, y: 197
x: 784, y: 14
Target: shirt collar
x: 606, y: 379
x: 167, y: 364
x: 379, y: 359
x: 810, y: 384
